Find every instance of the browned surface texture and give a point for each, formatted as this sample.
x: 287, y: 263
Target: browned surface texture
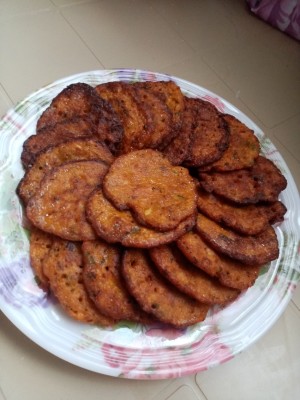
x: 210, y: 136
x: 262, y: 182
x: 63, y: 268
x: 243, y: 148
x: 59, y: 205
x: 156, y: 295
x: 253, y: 250
x: 159, y: 194
x: 229, y: 272
x: 104, y: 283
x: 248, y: 219
x: 117, y: 226
x: 189, y: 279
x: 72, y: 150
x: 39, y: 245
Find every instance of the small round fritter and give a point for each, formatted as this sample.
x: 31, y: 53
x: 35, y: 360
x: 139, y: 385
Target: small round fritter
x: 71, y: 150
x: 76, y: 100
x: 128, y: 111
x: 104, y: 283
x: 59, y: 206
x: 243, y: 147
x: 262, y: 182
x: 252, y: 250
x: 171, y: 95
x: 39, y: 246
x: 159, y: 195
x: 117, y: 226
x: 63, y: 268
x: 178, y: 150
x: 248, y: 219
x: 156, y: 295
x: 229, y: 272
x: 210, y: 136
x: 52, y: 135
x: 189, y: 279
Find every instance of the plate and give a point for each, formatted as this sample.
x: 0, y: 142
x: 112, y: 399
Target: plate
x: 132, y: 350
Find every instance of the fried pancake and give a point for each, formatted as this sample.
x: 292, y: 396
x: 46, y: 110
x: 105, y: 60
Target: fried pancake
x: 210, y: 136
x: 104, y: 283
x: 159, y: 195
x: 229, y: 272
x: 262, y: 182
x: 248, y: 219
x: 128, y: 111
x: 63, y: 268
x: 59, y: 206
x: 252, y: 250
x: 158, y: 118
x: 71, y: 150
x: 156, y: 295
x: 76, y: 100
x: 243, y: 148
x: 39, y: 245
x: 177, y: 151
x: 171, y: 95
x: 189, y: 279
x: 117, y: 226
x: 53, y: 135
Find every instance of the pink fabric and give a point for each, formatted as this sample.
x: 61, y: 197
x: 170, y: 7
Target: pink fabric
x: 282, y: 14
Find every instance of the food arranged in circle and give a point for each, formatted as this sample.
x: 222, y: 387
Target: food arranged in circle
x: 145, y: 204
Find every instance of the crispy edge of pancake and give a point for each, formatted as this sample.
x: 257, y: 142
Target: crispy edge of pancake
x: 190, y: 280
x: 54, y: 156
x: 104, y: 283
x: 252, y: 250
x: 156, y: 296
x: 117, y: 226
x: 63, y: 268
x: 229, y: 272
x: 59, y: 206
x: 159, y: 195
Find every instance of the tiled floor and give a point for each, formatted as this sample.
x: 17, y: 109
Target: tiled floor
x: 216, y: 44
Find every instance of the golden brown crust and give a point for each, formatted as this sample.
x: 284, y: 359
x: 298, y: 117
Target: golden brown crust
x: 104, y: 283
x: 243, y: 148
x: 63, y: 268
x: 117, y: 226
x: 159, y: 195
x: 252, y: 250
x: 156, y: 296
x: 59, y: 206
x: 229, y: 272
x: 262, y: 182
x: 189, y: 279
x: 71, y: 150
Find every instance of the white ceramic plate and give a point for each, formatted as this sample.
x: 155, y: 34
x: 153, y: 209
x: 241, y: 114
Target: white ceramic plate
x: 132, y: 350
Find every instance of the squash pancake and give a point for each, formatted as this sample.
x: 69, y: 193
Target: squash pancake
x: 248, y: 219
x: 71, y: 150
x: 189, y: 279
x: 63, y: 268
x: 243, y: 148
x: 59, y: 206
x: 39, y: 245
x: 229, y: 272
x: 210, y: 136
x: 262, y: 182
x: 159, y: 195
x: 156, y: 295
x: 117, y: 226
x: 252, y: 250
x: 76, y: 100
x: 104, y: 283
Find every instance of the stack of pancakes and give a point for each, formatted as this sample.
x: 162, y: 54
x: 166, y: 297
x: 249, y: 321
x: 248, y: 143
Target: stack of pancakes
x: 145, y: 204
